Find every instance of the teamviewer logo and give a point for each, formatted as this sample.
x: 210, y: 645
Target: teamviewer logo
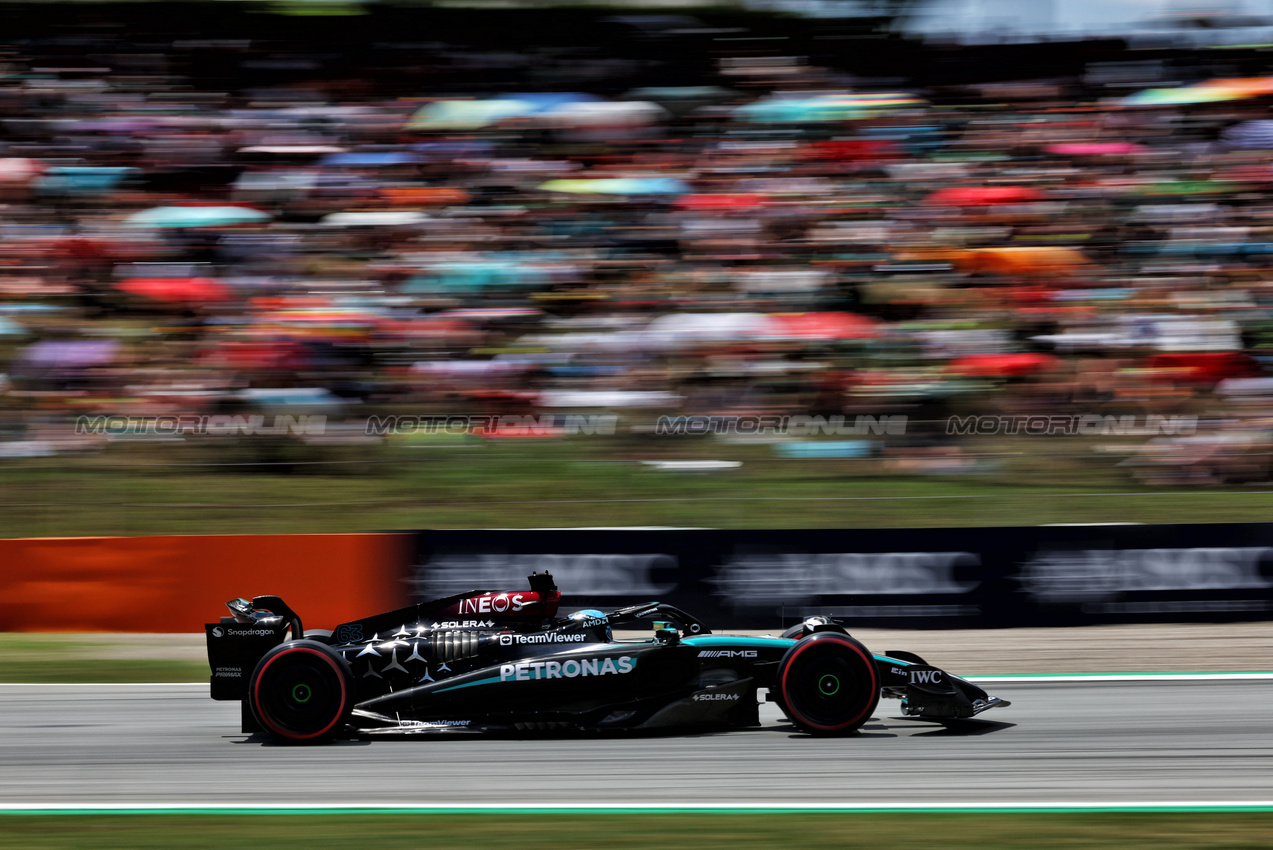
x: 505, y: 640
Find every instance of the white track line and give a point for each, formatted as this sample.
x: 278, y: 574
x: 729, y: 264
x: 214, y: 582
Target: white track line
x: 585, y: 808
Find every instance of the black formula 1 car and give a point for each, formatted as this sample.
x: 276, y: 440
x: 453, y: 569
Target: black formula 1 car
x: 490, y: 660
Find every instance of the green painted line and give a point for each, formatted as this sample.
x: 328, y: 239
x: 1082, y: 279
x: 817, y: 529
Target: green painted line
x: 660, y: 809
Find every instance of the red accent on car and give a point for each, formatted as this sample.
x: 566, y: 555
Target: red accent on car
x: 514, y: 604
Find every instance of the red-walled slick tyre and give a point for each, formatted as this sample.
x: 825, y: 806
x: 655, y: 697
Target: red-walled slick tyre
x: 301, y: 692
x: 828, y: 684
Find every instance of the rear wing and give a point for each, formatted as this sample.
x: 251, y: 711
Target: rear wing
x: 238, y: 642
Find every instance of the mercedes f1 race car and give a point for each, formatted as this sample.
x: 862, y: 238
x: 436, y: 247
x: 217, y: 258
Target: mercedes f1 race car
x: 491, y: 660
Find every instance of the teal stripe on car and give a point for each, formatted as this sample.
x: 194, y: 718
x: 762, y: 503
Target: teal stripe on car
x: 489, y: 680
x: 722, y: 641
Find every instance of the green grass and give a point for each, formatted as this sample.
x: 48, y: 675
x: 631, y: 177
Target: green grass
x: 620, y: 831
x: 108, y: 671
x: 159, y: 489
x: 56, y: 658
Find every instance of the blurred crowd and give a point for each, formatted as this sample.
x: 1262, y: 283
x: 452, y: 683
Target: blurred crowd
x: 770, y: 238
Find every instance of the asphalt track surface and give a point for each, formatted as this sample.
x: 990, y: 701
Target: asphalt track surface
x: 1062, y: 743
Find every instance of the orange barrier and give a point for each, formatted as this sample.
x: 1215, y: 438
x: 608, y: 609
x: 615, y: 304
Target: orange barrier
x: 176, y: 584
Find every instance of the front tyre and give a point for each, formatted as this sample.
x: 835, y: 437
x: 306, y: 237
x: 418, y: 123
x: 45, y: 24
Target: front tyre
x: 301, y: 692
x: 828, y: 684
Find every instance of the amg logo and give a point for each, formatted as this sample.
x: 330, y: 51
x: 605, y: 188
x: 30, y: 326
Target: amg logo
x: 926, y: 677
x: 728, y: 653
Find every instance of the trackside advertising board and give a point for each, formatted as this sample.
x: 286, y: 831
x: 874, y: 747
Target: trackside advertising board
x: 904, y: 578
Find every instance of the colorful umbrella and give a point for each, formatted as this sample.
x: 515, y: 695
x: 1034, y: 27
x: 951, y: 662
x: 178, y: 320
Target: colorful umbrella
x: 822, y: 326
x: 1239, y: 87
x: 293, y: 150
x: 252, y: 355
x: 681, y: 329
x: 492, y: 313
x: 370, y: 159
x: 374, y: 218
x: 1020, y: 260
x: 70, y: 353
x: 548, y: 100
x: 429, y: 196
x: 1096, y: 149
x: 319, y: 323
x: 1001, y: 365
x: 210, y: 216
x: 618, y: 186
x: 1250, y: 135
x: 1184, y: 96
x: 722, y: 201
x: 681, y: 100
x: 177, y: 290
x: 604, y: 114
x: 983, y: 196
x: 82, y: 179
x: 468, y: 114
x: 19, y: 169
x: 1203, y: 367
x: 827, y: 107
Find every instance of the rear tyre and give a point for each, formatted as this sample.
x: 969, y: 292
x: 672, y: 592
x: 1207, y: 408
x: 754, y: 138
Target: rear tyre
x: 301, y: 692
x: 828, y: 684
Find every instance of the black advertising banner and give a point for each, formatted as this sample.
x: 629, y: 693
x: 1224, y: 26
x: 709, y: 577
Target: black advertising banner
x: 901, y: 578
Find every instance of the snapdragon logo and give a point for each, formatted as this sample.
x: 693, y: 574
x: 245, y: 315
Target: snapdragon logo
x: 571, y: 669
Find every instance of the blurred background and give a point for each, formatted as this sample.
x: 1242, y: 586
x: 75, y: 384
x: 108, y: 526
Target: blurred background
x: 900, y: 263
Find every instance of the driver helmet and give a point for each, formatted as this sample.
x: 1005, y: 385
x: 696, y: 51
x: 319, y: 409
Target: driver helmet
x: 602, y: 624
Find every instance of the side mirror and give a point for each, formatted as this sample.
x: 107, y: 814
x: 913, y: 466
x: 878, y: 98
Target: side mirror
x: 669, y: 636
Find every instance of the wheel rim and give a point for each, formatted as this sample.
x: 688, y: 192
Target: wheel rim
x: 828, y: 687
x: 300, y: 694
